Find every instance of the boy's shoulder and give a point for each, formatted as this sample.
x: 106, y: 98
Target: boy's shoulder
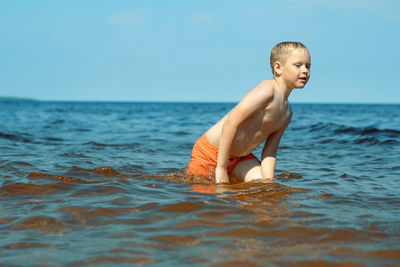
x: 266, y: 86
x: 261, y: 96
x: 265, y: 90
x: 266, y: 83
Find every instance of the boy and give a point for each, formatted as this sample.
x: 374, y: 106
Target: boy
x: 224, y: 151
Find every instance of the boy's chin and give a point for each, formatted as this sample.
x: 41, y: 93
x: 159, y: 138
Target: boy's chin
x: 300, y: 86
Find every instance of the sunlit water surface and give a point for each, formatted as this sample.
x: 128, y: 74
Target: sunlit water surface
x: 102, y: 183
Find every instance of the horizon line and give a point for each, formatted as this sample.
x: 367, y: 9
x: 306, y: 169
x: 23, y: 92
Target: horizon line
x: 27, y: 99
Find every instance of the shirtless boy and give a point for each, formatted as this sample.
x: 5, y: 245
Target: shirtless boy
x: 224, y: 150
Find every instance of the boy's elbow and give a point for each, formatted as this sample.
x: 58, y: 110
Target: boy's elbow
x: 269, y: 151
x: 267, y: 154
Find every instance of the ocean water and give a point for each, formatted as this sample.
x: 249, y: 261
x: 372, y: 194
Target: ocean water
x: 88, y: 184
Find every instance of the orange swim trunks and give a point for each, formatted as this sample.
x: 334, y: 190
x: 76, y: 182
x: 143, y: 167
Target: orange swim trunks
x: 204, y: 158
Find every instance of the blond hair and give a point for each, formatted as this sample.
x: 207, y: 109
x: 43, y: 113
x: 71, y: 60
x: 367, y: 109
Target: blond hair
x: 281, y: 50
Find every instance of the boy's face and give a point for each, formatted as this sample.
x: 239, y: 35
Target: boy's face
x: 296, y: 68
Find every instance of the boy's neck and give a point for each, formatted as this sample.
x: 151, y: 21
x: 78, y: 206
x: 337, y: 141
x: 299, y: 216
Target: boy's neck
x: 282, y: 87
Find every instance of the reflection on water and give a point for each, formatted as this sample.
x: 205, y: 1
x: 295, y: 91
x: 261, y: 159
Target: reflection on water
x: 239, y: 224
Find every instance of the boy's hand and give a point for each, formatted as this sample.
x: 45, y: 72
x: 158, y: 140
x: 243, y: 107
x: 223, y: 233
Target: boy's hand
x: 221, y: 175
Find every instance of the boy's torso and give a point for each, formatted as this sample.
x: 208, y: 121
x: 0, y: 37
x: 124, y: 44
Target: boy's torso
x: 254, y: 130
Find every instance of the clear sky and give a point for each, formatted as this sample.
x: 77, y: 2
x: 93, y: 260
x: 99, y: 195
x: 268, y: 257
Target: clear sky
x: 189, y: 50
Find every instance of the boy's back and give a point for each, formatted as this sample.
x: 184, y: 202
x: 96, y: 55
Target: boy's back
x: 261, y: 111
x: 224, y: 151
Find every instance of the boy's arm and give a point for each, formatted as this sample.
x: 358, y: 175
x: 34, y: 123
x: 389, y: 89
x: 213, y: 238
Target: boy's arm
x: 255, y: 100
x: 268, y: 156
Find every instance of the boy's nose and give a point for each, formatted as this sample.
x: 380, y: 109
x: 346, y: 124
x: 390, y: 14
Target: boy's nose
x: 305, y: 70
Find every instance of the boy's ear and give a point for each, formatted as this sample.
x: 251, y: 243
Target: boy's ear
x: 277, y: 68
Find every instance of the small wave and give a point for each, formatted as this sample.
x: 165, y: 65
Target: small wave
x: 368, y: 140
x: 319, y: 126
x: 23, y: 138
x: 82, y: 130
x: 181, y: 133
x: 94, y: 144
x: 390, y: 142
x: 372, y: 130
x: 55, y: 110
x: 20, y: 163
x: 340, y: 129
x: 53, y: 139
x: 16, y: 137
x: 364, y: 135
x: 104, y: 171
x: 17, y: 189
x: 97, y: 144
x: 59, y: 121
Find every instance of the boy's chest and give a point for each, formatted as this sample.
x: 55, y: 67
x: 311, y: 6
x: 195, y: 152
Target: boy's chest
x: 266, y: 121
x: 273, y: 118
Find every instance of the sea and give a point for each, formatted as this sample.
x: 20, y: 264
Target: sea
x: 104, y: 184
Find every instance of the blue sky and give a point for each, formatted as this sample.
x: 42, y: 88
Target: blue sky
x: 191, y: 50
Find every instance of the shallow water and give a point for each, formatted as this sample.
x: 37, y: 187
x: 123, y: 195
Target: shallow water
x: 101, y: 183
